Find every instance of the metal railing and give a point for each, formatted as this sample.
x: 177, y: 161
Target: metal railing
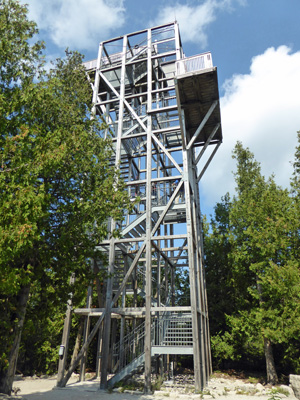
x: 160, y: 192
x: 172, y: 329
x: 130, y: 348
x: 195, y: 63
x: 176, y: 330
x: 91, y: 64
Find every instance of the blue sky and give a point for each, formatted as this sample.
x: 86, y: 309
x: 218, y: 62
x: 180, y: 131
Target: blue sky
x: 254, y: 43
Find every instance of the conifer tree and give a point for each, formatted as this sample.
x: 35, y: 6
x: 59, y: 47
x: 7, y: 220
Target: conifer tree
x: 265, y: 267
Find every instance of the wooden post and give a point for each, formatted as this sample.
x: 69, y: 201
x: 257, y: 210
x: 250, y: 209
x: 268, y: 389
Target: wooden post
x: 99, y: 351
x: 86, y: 334
x: 65, y: 339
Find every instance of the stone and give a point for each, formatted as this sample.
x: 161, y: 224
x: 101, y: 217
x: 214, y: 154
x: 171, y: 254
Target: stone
x: 259, y: 387
x: 118, y: 390
x: 288, y: 389
x: 295, y: 384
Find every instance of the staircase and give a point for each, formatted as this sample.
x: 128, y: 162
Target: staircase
x: 170, y: 334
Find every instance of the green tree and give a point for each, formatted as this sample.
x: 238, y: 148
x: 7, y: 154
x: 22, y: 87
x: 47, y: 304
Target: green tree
x: 220, y: 292
x: 57, y: 188
x: 263, y: 255
x: 295, y: 184
x: 296, y: 173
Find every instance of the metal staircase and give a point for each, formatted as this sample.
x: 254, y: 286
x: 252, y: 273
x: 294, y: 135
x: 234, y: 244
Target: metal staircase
x: 170, y: 334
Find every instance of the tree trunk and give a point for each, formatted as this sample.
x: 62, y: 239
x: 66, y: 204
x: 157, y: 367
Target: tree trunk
x: 272, y: 377
x: 7, y: 376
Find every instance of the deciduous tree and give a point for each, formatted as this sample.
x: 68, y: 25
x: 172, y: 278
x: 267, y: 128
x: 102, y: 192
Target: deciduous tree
x: 57, y: 188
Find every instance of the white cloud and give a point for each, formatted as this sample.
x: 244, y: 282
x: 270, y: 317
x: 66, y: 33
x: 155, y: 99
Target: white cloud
x: 194, y: 20
x: 77, y: 24
x: 260, y: 109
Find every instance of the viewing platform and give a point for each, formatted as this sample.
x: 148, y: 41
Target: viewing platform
x: 198, y: 99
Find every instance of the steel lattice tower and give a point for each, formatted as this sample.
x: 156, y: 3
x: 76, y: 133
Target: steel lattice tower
x: 162, y: 112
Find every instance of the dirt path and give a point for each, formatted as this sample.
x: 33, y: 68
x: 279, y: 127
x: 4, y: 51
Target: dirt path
x: 182, y: 389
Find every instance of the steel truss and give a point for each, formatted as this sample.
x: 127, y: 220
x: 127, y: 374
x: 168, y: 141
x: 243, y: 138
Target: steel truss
x: 162, y: 112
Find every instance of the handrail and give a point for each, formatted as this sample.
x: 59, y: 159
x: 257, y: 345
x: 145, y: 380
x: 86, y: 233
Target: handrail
x: 193, y: 64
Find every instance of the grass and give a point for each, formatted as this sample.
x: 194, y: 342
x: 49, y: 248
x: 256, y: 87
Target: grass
x: 253, y: 380
x: 275, y: 392
x: 247, y: 392
x: 132, y: 385
x: 157, y: 383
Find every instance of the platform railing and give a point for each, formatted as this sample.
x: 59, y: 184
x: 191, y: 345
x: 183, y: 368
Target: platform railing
x: 91, y: 64
x: 160, y: 192
x: 177, y: 330
x: 170, y: 329
x: 193, y: 64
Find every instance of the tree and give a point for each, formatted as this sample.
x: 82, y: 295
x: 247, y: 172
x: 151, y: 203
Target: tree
x: 296, y: 173
x: 295, y: 184
x: 263, y: 254
x: 57, y: 188
x: 220, y: 292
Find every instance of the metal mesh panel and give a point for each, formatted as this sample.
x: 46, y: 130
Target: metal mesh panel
x: 195, y: 63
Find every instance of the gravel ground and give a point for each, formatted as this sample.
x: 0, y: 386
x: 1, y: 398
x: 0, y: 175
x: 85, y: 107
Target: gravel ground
x: 181, y: 388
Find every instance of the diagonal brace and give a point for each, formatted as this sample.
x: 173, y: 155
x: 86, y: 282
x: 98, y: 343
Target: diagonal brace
x: 202, y: 124
x: 211, y: 136
x: 100, y: 320
x: 166, y: 152
x: 208, y: 162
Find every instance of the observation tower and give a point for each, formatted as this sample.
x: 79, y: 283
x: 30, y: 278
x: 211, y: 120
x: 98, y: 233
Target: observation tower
x: 162, y: 112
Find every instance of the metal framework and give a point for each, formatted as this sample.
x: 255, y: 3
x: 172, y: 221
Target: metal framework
x: 162, y: 111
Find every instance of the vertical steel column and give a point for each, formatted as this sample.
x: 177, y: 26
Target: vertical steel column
x: 147, y: 387
x: 199, y: 287
x: 122, y: 328
x: 188, y: 177
x: 203, y: 294
x: 97, y: 80
x: 177, y: 42
x: 109, y: 293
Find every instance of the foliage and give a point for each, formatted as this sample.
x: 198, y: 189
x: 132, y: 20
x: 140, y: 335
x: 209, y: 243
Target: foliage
x: 266, y: 271
x: 218, y: 268
x: 57, y: 188
x: 255, y: 255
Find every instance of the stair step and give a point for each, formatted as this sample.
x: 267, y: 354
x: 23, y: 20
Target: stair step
x: 127, y: 371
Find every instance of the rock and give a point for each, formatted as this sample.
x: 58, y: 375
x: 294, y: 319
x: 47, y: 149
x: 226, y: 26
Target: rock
x: 18, y: 377
x: 259, y: 387
x: 169, y: 383
x: 295, y: 384
x: 138, y: 392
x: 288, y: 389
x: 159, y: 393
x: 117, y: 390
